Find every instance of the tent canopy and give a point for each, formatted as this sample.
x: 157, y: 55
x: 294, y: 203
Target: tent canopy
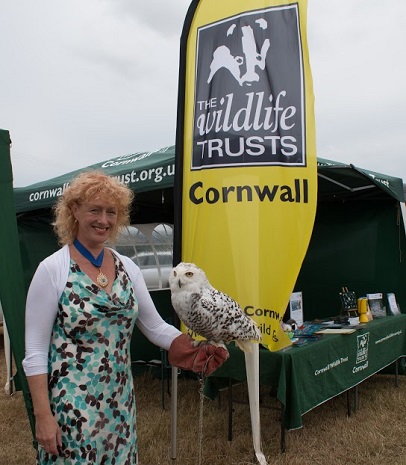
x: 154, y: 171
x: 141, y: 171
x: 151, y: 176
x: 340, y: 181
x: 357, y: 222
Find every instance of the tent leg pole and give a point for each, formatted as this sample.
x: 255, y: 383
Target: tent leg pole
x: 174, y: 412
x: 403, y: 212
x: 10, y: 376
x: 9, y: 360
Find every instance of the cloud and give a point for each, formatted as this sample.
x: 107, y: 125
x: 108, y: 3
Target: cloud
x: 85, y: 81
x: 355, y: 52
x: 161, y: 17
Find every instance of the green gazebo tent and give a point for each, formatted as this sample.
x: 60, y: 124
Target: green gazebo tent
x: 358, y: 217
x: 358, y: 239
x: 12, y: 289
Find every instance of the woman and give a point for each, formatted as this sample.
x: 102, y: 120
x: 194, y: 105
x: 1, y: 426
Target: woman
x: 81, y: 308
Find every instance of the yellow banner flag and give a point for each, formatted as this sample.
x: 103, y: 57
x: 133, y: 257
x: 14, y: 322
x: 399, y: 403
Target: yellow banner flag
x: 246, y: 171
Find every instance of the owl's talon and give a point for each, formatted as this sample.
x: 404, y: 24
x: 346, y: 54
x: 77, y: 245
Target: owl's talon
x: 218, y: 344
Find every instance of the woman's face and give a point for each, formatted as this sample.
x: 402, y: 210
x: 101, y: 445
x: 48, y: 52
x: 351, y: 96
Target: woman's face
x: 96, y: 219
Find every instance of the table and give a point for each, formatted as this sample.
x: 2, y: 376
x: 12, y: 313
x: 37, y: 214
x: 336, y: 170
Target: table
x: 305, y: 377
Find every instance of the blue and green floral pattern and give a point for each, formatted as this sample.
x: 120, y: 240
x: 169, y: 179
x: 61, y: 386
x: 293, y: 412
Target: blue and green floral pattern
x: 90, y: 382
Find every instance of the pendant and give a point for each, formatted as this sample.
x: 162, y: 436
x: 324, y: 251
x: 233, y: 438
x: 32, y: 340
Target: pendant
x: 102, y: 279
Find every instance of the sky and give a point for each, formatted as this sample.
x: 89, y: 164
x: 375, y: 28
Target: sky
x: 85, y: 81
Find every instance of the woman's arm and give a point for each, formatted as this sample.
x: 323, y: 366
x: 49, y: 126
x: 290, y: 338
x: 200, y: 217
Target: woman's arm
x: 41, y: 310
x: 40, y: 313
x: 149, y: 321
x: 204, y: 358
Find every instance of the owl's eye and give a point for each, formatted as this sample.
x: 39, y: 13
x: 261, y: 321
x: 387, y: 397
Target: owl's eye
x: 174, y: 273
x: 189, y: 274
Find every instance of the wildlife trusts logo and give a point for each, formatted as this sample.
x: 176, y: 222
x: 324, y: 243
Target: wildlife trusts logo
x: 249, y: 99
x: 362, y: 348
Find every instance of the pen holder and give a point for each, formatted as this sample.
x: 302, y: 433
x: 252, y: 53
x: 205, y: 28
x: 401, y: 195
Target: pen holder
x: 363, y: 309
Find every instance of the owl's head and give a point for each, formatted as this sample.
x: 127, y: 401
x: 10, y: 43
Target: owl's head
x: 189, y: 277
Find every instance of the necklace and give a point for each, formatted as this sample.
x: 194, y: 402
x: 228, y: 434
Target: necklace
x: 102, y: 279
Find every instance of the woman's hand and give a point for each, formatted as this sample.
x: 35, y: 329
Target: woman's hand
x: 47, y: 430
x: 48, y: 433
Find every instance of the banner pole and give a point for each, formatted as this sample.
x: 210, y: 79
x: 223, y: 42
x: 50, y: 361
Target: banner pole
x: 174, y: 412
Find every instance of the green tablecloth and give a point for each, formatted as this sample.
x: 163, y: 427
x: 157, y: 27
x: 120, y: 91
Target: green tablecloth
x: 305, y: 377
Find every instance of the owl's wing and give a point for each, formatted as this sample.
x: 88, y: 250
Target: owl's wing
x: 218, y: 299
x: 229, y: 319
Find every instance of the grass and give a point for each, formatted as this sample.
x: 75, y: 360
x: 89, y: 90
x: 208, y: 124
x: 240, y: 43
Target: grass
x: 373, y: 436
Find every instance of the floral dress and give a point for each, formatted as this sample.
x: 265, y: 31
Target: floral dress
x: 90, y: 383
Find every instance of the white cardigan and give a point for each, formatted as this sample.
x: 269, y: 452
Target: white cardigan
x: 43, y: 297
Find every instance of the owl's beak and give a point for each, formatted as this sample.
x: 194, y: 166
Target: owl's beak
x: 179, y: 283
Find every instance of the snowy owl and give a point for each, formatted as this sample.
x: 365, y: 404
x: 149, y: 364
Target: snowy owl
x: 208, y: 311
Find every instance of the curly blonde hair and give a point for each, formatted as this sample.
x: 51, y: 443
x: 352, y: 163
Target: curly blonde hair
x: 86, y: 186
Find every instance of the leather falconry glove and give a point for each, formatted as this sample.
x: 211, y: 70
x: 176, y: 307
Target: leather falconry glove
x: 204, y: 358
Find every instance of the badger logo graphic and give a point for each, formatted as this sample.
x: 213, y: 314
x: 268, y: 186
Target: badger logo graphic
x: 222, y: 57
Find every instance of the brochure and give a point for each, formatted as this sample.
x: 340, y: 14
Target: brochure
x: 296, y: 308
x: 392, y: 304
x: 375, y: 303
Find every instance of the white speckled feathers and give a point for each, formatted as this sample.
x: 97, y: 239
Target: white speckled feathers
x: 208, y: 311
